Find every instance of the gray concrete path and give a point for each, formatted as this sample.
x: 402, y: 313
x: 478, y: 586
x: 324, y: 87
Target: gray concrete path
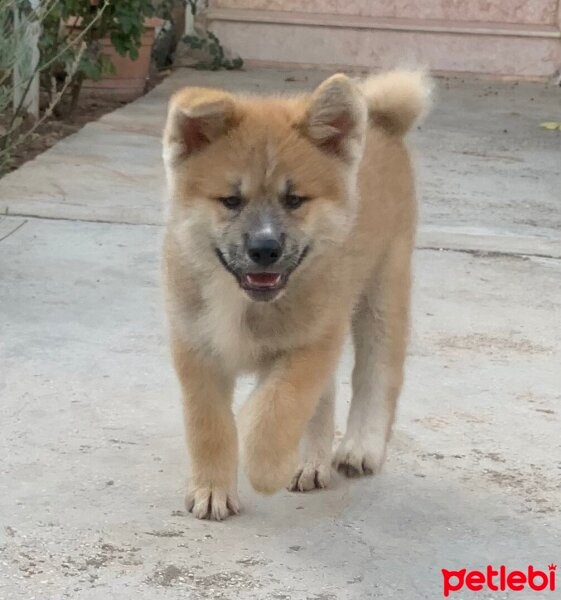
x: 93, y: 462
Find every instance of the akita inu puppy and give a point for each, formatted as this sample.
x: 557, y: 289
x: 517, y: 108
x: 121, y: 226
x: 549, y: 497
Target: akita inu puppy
x: 291, y: 222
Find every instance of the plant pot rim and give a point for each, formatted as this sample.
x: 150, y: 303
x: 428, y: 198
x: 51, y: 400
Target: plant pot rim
x: 149, y: 22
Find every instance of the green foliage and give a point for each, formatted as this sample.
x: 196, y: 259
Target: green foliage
x: 211, y: 44
x: 165, y: 8
x: 59, y: 41
x: 122, y: 21
x: 69, y: 52
x: 18, y: 56
x: 16, y: 44
x: 203, y: 40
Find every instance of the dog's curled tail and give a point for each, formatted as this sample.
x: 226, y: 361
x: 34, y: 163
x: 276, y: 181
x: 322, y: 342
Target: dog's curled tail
x: 397, y: 99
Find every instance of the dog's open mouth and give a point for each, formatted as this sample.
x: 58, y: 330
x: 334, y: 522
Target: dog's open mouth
x: 262, y: 287
x: 263, y: 281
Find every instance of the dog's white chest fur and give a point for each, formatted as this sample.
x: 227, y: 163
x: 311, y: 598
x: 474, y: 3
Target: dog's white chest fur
x: 220, y: 327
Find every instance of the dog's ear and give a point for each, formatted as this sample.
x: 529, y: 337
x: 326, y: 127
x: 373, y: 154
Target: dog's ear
x: 196, y: 118
x: 335, y: 119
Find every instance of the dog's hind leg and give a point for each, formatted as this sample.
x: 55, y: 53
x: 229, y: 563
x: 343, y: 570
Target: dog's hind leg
x: 380, y: 329
x: 314, y: 470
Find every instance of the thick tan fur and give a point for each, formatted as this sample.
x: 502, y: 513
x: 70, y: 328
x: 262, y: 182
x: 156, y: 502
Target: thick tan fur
x: 343, y: 147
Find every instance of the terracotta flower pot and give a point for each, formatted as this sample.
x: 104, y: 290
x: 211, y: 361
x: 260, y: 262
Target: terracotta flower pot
x: 130, y: 76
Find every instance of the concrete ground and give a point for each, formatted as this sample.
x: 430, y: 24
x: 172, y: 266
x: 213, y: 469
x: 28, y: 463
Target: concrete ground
x: 93, y: 460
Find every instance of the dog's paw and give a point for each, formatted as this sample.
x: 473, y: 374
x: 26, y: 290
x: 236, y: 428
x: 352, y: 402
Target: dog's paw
x: 269, y: 476
x: 355, y: 458
x: 311, y: 476
x: 210, y: 502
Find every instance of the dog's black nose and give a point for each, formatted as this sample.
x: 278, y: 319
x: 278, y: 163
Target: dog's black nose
x: 264, y: 251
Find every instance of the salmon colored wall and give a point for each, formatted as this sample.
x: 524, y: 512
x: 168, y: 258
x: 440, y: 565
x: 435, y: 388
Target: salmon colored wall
x: 535, y: 12
x: 506, y: 38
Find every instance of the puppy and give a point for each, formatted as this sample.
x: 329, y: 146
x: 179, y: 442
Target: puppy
x: 291, y: 222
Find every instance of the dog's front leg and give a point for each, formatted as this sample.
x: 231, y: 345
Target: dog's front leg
x: 211, y: 434
x: 275, y: 416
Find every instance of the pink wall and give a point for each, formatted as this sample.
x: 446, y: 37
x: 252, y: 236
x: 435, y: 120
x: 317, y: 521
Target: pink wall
x: 506, y: 38
x: 537, y: 12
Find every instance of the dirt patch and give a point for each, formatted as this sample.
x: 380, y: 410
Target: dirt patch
x: 486, y: 157
x: 439, y: 422
x: 216, y: 586
x: 490, y: 344
x: 252, y: 562
x: 83, y: 564
x: 536, y: 487
x: 165, y: 533
x: 533, y: 485
x: 474, y: 419
x: 56, y: 128
x: 170, y: 575
x: 104, y: 555
x: 544, y: 404
x: 434, y: 423
x: 492, y: 456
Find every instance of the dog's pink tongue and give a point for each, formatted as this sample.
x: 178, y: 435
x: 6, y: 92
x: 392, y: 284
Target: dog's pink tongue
x: 263, y: 279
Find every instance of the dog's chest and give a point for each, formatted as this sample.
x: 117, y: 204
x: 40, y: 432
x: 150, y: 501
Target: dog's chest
x: 244, y: 333
x: 228, y: 332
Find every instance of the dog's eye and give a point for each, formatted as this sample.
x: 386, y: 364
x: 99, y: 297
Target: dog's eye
x: 293, y: 201
x: 231, y: 202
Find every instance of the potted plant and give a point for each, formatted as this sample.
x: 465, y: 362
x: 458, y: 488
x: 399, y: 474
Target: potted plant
x: 114, y: 44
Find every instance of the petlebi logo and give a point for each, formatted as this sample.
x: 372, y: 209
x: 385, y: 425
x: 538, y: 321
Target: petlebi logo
x: 501, y: 579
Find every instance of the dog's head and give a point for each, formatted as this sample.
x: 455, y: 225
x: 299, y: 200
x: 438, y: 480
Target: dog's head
x: 265, y: 184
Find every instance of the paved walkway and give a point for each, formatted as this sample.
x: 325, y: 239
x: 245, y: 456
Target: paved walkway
x: 93, y: 458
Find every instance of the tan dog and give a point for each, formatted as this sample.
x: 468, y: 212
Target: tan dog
x: 291, y: 222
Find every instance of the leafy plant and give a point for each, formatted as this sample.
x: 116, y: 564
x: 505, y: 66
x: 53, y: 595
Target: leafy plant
x: 20, y: 64
x: 201, y: 40
x: 211, y: 44
x: 69, y: 51
x: 204, y: 42
x: 122, y: 22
